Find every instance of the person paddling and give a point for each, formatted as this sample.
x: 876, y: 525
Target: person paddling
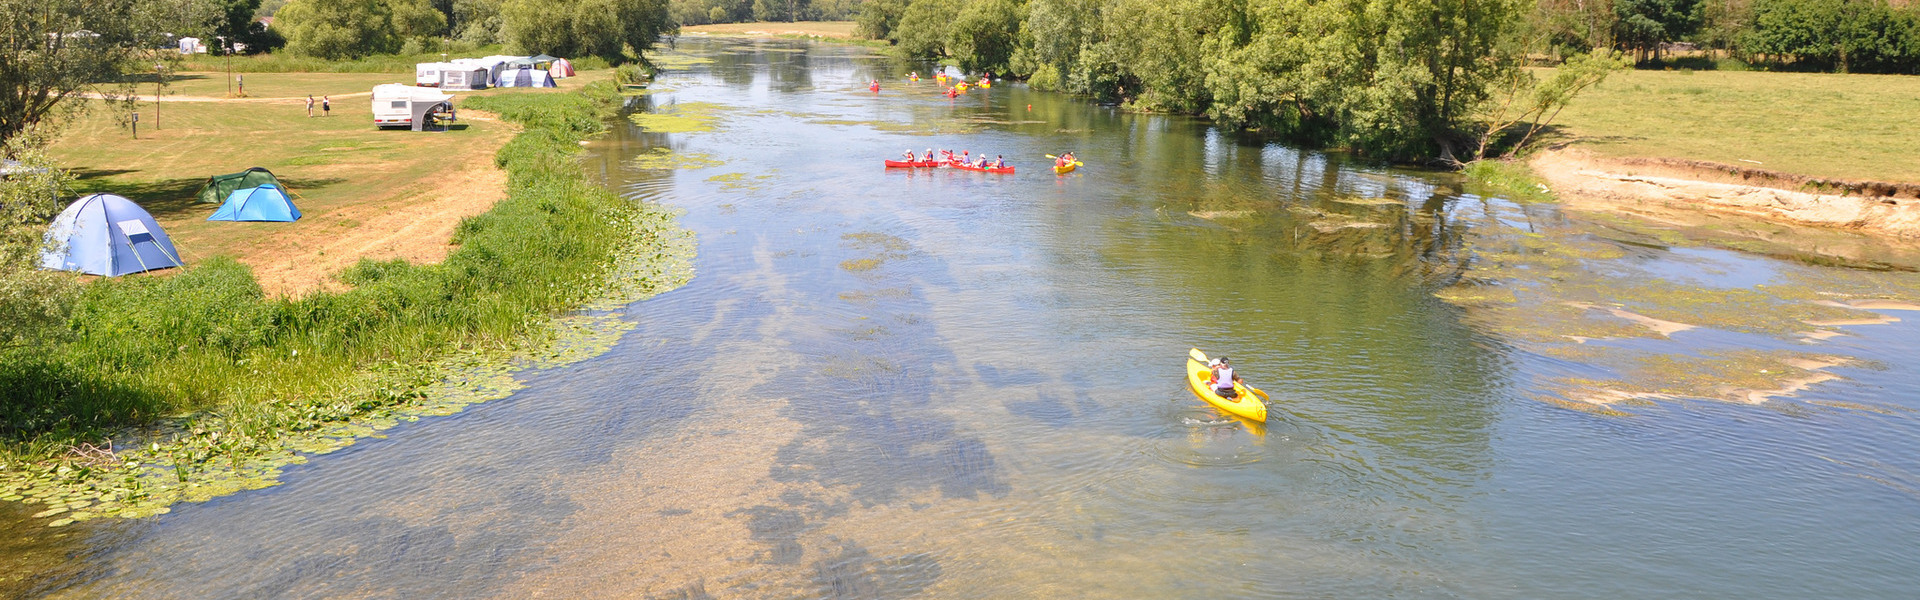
x: 999, y: 162
x: 929, y: 155
x: 1223, y: 378
x: 909, y: 155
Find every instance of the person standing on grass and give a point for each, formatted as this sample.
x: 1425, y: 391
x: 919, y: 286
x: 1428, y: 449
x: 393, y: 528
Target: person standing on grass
x: 309, y: 106
x: 326, y: 106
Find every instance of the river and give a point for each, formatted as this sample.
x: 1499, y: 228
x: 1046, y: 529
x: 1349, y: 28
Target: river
x: 889, y: 383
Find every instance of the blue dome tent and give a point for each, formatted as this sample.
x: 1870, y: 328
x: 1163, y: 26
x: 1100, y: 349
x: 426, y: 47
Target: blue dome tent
x: 526, y: 77
x: 262, y: 203
x: 104, y: 234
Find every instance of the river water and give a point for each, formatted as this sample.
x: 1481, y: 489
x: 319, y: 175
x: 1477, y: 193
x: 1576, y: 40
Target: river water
x: 896, y: 383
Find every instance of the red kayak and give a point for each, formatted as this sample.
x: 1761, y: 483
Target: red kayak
x: 918, y: 164
x: 967, y: 167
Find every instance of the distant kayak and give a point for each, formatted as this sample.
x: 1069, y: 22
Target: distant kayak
x: 967, y: 167
x: 918, y: 164
x: 1065, y: 169
x: 1243, y: 405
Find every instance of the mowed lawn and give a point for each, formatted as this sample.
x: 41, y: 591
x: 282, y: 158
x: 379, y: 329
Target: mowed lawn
x: 1824, y: 125
x: 330, y: 163
x: 830, y: 29
x: 274, y: 85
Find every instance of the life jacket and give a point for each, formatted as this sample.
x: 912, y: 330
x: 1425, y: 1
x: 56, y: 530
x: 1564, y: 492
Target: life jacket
x: 1223, y: 378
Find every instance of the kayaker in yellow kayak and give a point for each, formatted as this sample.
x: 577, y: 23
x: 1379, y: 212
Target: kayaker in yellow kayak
x: 1223, y: 377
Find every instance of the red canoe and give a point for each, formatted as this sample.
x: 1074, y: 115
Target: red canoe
x: 967, y: 167
x: 901, y: 164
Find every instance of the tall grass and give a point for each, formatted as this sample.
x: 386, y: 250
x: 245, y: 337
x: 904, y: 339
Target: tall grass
x: 207, y: 340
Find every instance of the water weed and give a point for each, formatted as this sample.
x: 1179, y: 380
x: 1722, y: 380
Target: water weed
x: 184, y: 388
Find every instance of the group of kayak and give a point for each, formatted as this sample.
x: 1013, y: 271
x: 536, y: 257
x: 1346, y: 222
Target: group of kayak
x: 960, y: 85
x: 956, y: 89
x: 947, y: 158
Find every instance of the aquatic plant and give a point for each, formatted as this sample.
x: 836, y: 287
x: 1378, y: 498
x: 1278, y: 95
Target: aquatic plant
x: 183, y: 388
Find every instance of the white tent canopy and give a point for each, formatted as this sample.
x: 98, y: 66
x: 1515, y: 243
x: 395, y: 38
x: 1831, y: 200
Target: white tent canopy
x: 396, y: 104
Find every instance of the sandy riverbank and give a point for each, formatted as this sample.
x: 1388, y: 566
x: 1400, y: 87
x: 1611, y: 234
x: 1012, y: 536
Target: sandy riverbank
x: 1681, y: 192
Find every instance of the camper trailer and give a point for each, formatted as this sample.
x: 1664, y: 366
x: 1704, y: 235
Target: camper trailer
x: 464, y: 77
x: 429, y: 74
x: 396, y: 105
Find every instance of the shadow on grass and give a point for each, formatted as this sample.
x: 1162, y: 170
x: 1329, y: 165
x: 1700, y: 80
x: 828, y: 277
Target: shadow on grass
x: 170, y: 197
x: 164, y: 197
x: 148, y: 78
x: 48, y: 402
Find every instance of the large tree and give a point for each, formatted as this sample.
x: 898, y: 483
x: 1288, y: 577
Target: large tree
x: 54, y: 50
x: 603, y: 28
x: 340, y: 29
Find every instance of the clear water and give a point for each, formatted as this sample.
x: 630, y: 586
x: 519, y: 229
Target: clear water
x: 889, y: 383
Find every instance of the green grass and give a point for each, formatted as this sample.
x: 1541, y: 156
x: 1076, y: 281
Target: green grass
x: 239, y: 377
x: 334, y: 164
x: 1510, y: 180
x: 272, y: 85
x: 1823, y: 125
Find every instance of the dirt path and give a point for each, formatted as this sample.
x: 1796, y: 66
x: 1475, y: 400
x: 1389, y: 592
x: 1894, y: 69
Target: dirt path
x: 414, y: 223
x: 1663, y: 192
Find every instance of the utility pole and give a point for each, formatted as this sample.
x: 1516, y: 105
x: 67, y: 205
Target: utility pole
x: 228, y: 49
x: 158, y: 69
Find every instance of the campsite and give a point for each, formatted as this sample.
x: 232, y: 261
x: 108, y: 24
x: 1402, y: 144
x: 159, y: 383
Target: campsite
x: 649, y: 321
x: 365, y: 192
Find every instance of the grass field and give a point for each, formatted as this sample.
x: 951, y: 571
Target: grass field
x: 827, y: 29
x: 1826, y: 125
x: 334, y: 165
x: 275, y: 85
x: 364, y: 191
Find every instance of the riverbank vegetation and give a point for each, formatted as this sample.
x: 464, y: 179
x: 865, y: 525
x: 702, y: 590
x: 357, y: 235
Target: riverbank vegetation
x: 1393, y: 79
x: 142, y: 391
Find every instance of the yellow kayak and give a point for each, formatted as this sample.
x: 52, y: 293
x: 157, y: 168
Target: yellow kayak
x: 1244, y: 405
x: 1065, y: 169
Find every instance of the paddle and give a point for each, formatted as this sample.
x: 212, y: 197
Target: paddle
x: 1077, y: 163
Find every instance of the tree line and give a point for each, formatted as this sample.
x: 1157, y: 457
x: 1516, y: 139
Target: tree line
x: 1858, y: 36
x: 1396, y: 79
x: 1399, y: 79
x: 702, y: 12
x: 616, y: 30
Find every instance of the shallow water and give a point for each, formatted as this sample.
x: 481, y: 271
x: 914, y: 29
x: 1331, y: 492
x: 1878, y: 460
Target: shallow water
x: 884, y: 383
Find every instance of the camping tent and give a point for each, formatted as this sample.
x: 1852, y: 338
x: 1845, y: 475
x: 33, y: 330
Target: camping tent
x: 525, y: 77
x: 264, y: 203
x: 542, y: 61
x: 492, y: 66
x: 561, y: 69
x: 523, y: 62
x: 220, y: 186
x: 104, y: 234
